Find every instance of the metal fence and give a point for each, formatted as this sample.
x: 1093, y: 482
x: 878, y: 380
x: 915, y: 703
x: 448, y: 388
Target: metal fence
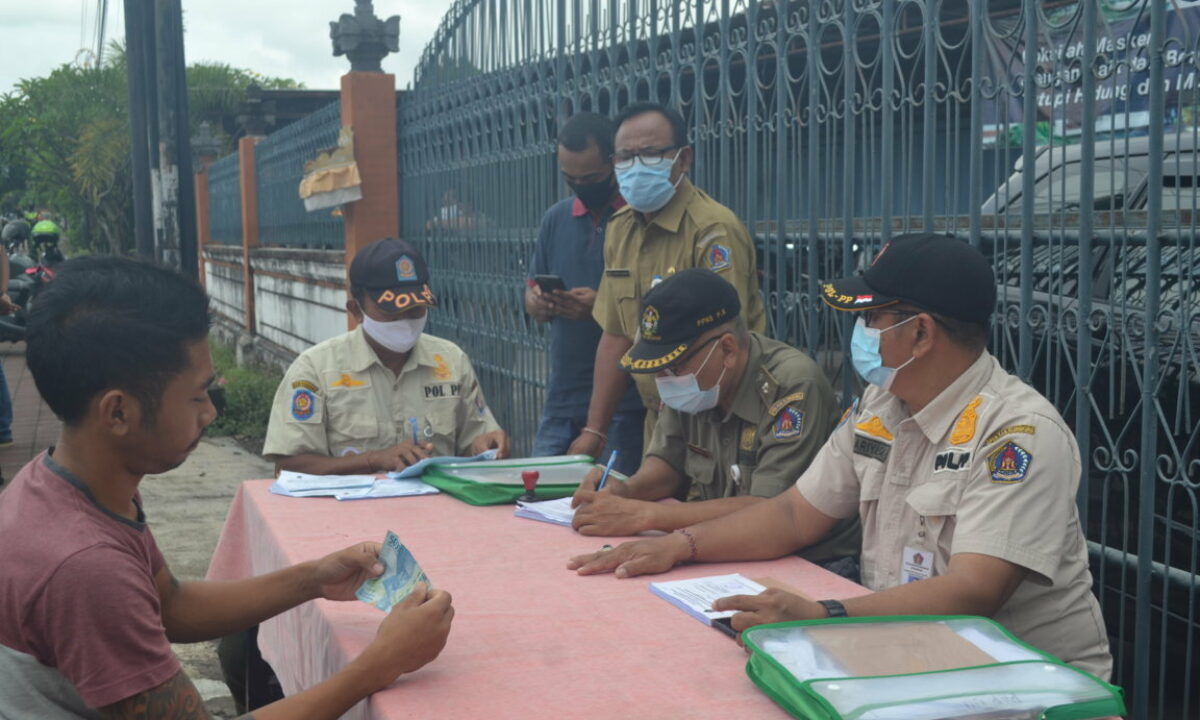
x: 831, y: 125
x: 279, y: 161
x: 225, y: 201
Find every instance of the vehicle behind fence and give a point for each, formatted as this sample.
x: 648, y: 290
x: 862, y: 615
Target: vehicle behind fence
x: 1057, y: 136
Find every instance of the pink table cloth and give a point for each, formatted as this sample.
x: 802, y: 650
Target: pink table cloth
x: 530, y: 639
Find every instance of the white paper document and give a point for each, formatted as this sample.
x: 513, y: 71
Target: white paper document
x: 557, y: 511
x: 346, y: 487
x: 696, y: 596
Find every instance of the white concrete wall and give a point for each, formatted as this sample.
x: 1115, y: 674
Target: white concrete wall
x: 299, y: 296
x: 224, y: 284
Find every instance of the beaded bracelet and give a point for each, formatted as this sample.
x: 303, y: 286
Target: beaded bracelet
x: 597, y: 433
x: 691, y: 543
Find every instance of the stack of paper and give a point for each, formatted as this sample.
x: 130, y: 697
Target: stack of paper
x: 346, y: 487
x: 696, y: 596
x: 418, y: 469
x: 557, y: 511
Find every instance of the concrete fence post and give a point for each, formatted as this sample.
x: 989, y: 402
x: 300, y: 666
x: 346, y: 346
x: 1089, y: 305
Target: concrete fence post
x: 249, y: 187
x: 369, y: 106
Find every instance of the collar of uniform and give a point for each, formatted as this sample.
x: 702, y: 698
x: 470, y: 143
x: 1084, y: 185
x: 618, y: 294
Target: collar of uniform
x: 936, y: 418
x: 422, y: 354
x: 748, y: 401
x: 361, y: 356
x: 578, y: 209
x: 671, y: 216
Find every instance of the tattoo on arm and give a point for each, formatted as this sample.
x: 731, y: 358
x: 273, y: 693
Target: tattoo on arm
x: 175, y: 699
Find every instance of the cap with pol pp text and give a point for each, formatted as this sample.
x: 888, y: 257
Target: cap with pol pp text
x: 394, y: 274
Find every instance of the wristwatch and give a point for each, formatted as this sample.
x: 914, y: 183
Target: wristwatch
x: 834, y: 608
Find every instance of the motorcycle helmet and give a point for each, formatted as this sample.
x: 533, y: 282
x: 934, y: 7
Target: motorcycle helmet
x: 45, y: 230
x: 15, y: 231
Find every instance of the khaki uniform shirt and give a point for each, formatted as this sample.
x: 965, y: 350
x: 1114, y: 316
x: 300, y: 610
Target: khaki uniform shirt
x: 989, y: 467
x: 692, y: 230
x: 338, y: 399
x: 782, y: 413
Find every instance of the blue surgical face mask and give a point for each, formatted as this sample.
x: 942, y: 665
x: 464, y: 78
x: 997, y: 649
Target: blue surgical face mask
x: 683, y: 393
x: 648, y: 189
x: 864, y: 353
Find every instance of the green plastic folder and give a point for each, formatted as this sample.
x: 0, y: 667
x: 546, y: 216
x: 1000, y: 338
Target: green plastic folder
x: 814, y: 670
x: 495, y: 482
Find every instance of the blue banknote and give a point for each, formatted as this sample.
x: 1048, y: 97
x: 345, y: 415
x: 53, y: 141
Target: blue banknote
x: 401, y: 573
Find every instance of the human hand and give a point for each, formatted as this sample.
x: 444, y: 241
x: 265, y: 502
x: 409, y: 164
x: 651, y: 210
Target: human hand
x: 576, y: 303
x: 6, y: 305
x: 338, y: 575
x: 606, y: 513
x: 639, y: 557
x: 539, y: 304
x: 398, y: 457
x: 587, y: 444
x: 495, y: 440
x: 411, y: 635
x: 769, y: 606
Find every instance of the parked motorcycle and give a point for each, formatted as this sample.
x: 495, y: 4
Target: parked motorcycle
x: 26, y: 278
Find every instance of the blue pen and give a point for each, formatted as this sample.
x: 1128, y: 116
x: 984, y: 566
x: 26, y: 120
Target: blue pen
x: 607, y: 469
x: 412, y: 422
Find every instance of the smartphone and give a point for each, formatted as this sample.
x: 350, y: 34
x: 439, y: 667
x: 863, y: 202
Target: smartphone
x: 549, y: 283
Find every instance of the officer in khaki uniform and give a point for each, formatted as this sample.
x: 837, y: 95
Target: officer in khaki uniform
x: 378, y: 398
x: 384, y: 394
x: 668, y: 225
x: 964, y: 477
x: 767, y: 411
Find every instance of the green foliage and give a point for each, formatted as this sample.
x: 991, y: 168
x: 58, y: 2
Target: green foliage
x: 64, y: 143
x: 249, y: 392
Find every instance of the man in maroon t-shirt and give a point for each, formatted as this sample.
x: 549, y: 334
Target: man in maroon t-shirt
x: 88, y: 606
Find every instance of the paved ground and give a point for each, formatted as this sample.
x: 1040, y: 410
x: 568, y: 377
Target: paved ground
x: 186, y: 507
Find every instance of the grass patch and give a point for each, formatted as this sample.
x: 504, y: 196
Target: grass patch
x: 248, y: 394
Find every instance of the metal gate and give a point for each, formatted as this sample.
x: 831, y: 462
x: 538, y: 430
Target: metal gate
x: 1058, y: 136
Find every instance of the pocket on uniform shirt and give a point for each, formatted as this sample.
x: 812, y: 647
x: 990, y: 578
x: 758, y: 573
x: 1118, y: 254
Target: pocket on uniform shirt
x: 624, y: 291
x: 351, y: 422
x: 935, y: 499
x: 700, y: 467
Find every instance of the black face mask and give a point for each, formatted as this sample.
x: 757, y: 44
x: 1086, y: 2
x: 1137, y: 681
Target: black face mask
x: 596, y: 196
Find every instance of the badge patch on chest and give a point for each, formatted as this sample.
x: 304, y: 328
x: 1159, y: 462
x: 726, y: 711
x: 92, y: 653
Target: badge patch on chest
x: 951, y: 460
x: 345, y: 381
x: 304, y: 404
x: 718, y: 257
x: 450, y: 390
x: 872, y: 448
x: 788, y: 423
x: 442, y: 371
x: 964, y: 427
x: 1009, y: 463
x: 875, y: 428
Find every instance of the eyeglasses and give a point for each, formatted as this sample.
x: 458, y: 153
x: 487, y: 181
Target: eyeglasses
x: 674, y: 368
x: 649, y: 157
x: 870, y: 316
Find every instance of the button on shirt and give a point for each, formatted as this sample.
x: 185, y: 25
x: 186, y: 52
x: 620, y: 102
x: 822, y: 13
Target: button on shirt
x: 989, y: 467
x: 339, y: 399
x: 571, y: 245
x: 783, y: 410
x: 692, y: 230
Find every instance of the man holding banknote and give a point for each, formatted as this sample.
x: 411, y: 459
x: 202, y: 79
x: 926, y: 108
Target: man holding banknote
x: 119, y: 351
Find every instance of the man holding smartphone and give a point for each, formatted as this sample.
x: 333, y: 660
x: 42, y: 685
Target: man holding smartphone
x: 565, y: 273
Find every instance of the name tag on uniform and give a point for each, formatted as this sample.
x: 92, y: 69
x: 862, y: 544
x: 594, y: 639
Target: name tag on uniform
x: 617, y: 272
x: 918, y: 564
x: 445, y: 390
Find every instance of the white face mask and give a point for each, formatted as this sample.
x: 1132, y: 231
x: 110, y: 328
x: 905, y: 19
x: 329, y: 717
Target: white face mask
x: 397, y: 335
x: 683, y: 393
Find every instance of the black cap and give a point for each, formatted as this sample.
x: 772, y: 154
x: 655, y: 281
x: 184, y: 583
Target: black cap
x: 394, y: 274
x: 676, y: 312
x: 938, y: 273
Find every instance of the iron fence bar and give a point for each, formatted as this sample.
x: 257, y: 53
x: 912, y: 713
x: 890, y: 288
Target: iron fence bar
x: 1149, y: 416
x: 888, y: 121
x: 975, y: 180
x: 812, y: 243
x: 1087, y: 194
x: 776, y: 260
x: 849, y: 83
x: 1028, y: 149
x: 929, y: 122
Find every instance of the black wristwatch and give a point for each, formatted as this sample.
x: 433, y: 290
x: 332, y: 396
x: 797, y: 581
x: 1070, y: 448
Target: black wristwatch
x: 834, y: 608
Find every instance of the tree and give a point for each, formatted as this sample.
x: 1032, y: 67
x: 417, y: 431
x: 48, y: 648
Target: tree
x: 64, y: 143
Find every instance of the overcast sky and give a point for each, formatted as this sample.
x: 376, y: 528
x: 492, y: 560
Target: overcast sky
x: 283, y: 38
